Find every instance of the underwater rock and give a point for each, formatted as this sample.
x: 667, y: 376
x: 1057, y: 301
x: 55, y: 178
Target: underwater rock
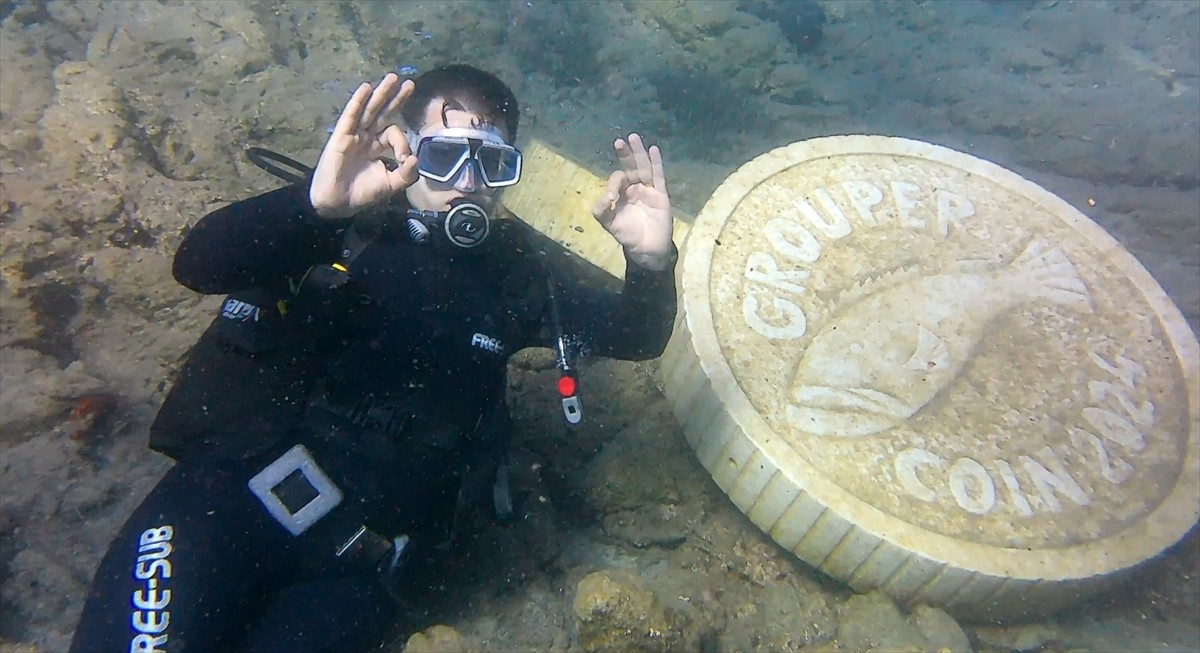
x: 873, y: 622
x: 27, y: 90
x: 779, y: 616
x: 701, y: 100
x: 436, y: 639
x: 1013, y: 5
x: 85, y: 132
x: 652, y: 526
x: 792, y: 84
x: 35, y: 403
x: 689, y: 23
x: 617, y: 611
x: 90, y: 414
x: 1022, y: 637
x: 939, y: 629
x: 135, y: 280
x: 801, y: 21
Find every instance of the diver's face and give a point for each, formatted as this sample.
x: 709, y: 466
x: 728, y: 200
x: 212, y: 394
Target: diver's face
x: 429, y: 195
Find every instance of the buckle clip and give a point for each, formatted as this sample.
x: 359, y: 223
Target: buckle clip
x: 566, y: 351
x: 298, y: 469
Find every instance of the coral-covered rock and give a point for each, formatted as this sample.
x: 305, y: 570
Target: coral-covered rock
x: 616, y: 611
x: 436, y: 639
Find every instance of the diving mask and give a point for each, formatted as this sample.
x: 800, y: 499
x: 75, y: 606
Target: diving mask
x: 441, y: 157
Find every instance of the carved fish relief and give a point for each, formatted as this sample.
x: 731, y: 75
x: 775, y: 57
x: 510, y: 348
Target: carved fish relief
x: 890, y: 350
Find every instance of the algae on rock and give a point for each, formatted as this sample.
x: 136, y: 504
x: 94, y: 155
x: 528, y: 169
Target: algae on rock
x: 617, y: 611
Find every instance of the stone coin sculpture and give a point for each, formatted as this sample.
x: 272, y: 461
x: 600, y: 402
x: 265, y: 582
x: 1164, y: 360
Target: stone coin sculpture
x: 922, y: 373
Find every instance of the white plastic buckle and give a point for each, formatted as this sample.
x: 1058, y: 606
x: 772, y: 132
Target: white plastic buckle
x: 572, y: 409
x: 296, y: 459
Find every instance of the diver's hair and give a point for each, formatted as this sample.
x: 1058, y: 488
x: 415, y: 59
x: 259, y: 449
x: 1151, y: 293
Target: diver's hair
x: 464, y: 87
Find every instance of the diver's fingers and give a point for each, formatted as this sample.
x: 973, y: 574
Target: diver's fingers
x: 351, y: 117
x: 625, y: 156
x: 605, y: 206
x: 395, y: 141
x: 657, y: 170
x: 405, y: 175
x: 406, y: 89
x: 387, y: 89
x: 643, y: 172
x: 634, y: 160
x: 405, y: 172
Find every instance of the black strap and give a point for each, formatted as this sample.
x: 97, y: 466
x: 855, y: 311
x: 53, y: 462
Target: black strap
x: 266, y: 159
x: 353, y: 244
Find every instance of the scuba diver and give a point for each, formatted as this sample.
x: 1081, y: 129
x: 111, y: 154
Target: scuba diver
x: 345, y: 413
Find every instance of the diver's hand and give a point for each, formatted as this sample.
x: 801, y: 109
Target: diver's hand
x: 635, y: 207
x: 350, y: 175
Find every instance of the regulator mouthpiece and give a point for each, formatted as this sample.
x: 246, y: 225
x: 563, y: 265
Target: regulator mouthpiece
x: 465, y: 225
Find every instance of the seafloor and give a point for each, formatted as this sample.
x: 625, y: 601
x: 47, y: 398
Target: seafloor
x: 124, y: 122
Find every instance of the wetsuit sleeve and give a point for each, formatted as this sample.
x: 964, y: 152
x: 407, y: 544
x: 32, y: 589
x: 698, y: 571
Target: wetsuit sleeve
x: 633, y: 324
x: 256, y: 242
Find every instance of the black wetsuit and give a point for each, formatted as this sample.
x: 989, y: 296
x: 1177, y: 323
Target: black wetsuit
x: 390, y: 375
